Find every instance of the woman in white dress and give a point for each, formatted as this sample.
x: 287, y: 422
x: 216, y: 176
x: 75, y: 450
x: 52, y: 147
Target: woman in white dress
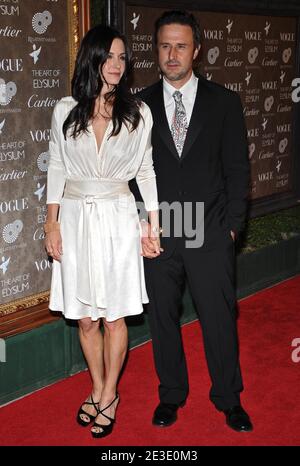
x: 100, y: 139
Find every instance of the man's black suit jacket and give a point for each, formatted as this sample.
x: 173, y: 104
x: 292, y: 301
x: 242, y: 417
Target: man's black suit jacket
x: 213, y: 167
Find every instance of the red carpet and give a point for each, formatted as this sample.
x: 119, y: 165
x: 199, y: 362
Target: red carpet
x: 268, y: 323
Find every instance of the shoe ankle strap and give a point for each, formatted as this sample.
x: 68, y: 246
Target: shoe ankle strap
x: 108, y: 406
x: 92, y: 402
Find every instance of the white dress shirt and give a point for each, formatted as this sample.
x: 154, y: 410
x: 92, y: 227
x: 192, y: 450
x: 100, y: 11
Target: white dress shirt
x: 188, y: 91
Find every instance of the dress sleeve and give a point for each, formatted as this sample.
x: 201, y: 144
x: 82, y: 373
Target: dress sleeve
x: 145, y: 177
x: 56, y: 176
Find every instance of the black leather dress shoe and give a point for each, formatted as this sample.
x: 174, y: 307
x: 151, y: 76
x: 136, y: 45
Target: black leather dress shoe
x: 238, y: 419
x: 165, y: 414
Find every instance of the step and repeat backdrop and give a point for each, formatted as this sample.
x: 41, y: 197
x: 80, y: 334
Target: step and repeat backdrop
x: 252, y: 55
x: 35, y: 51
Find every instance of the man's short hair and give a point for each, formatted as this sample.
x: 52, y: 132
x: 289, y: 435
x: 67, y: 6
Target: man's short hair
x: 179, y: 17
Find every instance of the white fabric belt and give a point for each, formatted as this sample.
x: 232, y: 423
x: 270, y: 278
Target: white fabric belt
x: 103, y: 188
x: 92, y: 235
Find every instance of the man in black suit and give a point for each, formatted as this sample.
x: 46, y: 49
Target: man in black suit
x: 200, y: 154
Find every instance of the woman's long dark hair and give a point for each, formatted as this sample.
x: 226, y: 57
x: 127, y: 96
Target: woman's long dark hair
x: 87, y: 84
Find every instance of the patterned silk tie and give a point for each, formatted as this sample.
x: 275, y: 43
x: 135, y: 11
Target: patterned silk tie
x: 179, y: 123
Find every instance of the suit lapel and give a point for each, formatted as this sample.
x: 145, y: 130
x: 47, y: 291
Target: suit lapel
x: 198, y: 117
x: 162, y: 125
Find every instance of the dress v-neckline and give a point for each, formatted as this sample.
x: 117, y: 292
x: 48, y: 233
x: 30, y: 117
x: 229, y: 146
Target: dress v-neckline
x: 98, y: 148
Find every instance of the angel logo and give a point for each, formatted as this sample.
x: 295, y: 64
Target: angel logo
x: 264, y: 124
x: 229, y: 25
x: 11, y: 231
x: 41, y: 21
x: 278, y: 165
x: 267, y: 28
x: 40, y: 191
x: 43, y: 161
x: 212, y: 55
x: 35, y: 53
x: 2, y: 123
x: 4, y: 264
x: 251, y: 150
x: 135, y: 20
x: 7, y: 91
x: 248, y: 77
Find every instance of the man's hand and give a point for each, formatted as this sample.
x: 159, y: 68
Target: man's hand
x: 150, y: 241
x: 232, y: 235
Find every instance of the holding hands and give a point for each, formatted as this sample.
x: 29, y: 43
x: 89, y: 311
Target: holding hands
x: 150, y: 241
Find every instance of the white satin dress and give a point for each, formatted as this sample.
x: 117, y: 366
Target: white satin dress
x: 101, y: 271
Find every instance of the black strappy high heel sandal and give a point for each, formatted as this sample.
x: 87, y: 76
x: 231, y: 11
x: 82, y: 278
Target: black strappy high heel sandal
x: 81, y: 421
x: 106, y: 428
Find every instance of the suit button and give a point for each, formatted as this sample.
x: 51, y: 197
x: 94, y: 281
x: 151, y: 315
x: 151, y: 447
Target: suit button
x: 182, y: 193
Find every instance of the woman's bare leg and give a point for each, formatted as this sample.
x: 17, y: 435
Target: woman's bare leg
x: 117, y: 344
x: 91, y: 341
x: 106, y: 352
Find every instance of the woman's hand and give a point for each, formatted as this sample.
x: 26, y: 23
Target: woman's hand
x: 150, y: 241
x: 53, y: 244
